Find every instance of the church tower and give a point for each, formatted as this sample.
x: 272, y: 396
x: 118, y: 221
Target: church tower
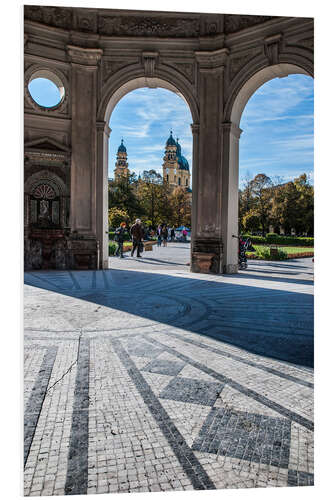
x: 121, y: 163
x: 176, y: 171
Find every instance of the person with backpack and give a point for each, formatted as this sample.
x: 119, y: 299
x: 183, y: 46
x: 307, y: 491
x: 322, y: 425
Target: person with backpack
x: 119, y: 237
x: 137, y: 234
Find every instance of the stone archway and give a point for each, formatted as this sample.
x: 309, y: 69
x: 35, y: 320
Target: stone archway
x: 214, y: 61
x: 115, y: 90
x: 234, y: 110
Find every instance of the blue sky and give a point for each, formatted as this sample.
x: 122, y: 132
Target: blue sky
x: 277, y: 125
x: 144, y: 118
x: 45, y: 92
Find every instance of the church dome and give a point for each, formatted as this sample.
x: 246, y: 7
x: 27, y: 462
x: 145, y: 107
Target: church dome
x: 122, y: 148
x: 182, y: 162
x: 171, y: 141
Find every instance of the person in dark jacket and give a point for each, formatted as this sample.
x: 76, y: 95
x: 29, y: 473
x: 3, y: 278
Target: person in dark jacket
x: 119, y: 237
x: 164, y: 235
x: 137, y: 234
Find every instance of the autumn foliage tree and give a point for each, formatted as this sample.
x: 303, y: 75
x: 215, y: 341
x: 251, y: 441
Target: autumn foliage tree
x: 287, y: 206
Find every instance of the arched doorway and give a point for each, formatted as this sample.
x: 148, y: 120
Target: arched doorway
x: 113, y: 94
x: 234, y: 110
x: 214, y: 61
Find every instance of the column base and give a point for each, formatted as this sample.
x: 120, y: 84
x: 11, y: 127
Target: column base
x: 206, y: 256
x: 230, y: 269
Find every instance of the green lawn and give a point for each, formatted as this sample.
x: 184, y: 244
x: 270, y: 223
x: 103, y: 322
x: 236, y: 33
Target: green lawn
x: 290, y: 249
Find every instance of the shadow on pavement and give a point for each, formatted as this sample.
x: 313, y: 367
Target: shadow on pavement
x: 261, y: 320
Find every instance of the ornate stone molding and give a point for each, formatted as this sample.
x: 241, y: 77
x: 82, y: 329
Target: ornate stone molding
x: 111, y: 66
x: 83, y: 56
x: 149, y: 60
x: 48, y: 177
x: 60, y: 17
x: 238, y: 61
x: 235, y: 22
x: 272, y: 45
x: 214, y: 60
x: 62, y: 81
x: 232, y: 128
x: 104, y: 127
x: 195, y: 128
x: 148, y: 26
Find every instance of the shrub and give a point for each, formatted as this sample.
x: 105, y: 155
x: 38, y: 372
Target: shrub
x: 273, y: 238
x: 265, y: 254
x: 112, y: 247
x: 255, y: 239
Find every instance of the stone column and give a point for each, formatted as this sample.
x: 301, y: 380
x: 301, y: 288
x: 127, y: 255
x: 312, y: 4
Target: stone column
x: 195, y: 171
x: 102, y: 224
x: 84, y: 68
x: 230, y: 153
x: 207, y: 248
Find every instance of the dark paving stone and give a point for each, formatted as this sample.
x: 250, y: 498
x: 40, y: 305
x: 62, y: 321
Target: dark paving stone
x: 164, y: 367
x: 191, y: 465
x: 77, y: 469
x: 247, y: 436
x: 36, y: 399
x: 142, y: 349
x: 299, y: 478
x: 192, y: 391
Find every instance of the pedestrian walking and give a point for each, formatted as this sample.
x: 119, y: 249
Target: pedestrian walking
x: 184, y: 235
x: 119, y: 238
x: 164, y: 234
x: 159, y: 235
x: 137, y: 235
x: 172, y: 233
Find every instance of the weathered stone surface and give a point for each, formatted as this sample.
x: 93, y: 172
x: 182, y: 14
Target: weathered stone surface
x: 215, y: 61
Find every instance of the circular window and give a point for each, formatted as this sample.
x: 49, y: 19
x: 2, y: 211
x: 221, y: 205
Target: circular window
x: 46, y: 89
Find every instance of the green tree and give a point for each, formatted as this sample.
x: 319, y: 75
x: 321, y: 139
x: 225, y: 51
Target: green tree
x: 246, y: 202
x: 292, y: 206
x: 151, y: 194
x: 305, y: 205
x: 122, y: 195
x: 250, y: 222
x: 181, y: 207
x: 116, y: 216
x: 261, y: 189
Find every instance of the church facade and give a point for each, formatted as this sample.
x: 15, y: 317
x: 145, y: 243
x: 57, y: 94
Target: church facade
x: 176, y: 171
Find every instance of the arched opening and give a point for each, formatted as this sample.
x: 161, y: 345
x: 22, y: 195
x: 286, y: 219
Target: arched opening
x: 276, y: 159
x: 234, y: 115
x: 158, y: 162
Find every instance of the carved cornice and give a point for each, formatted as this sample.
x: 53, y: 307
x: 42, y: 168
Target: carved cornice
x: 195, y: 128
x: 232, y: 128
x: 234, y: 23
x: 59, y: 17
x: 111, y: 22
x: 149, y: 60
x: 272, y: 46
x: 148, y: 26
x: 212, y: 60
x: 82, y: 56
x: 104, y: 127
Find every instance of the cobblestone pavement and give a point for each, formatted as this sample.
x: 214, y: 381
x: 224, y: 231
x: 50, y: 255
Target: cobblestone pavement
x: 146, y: 377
